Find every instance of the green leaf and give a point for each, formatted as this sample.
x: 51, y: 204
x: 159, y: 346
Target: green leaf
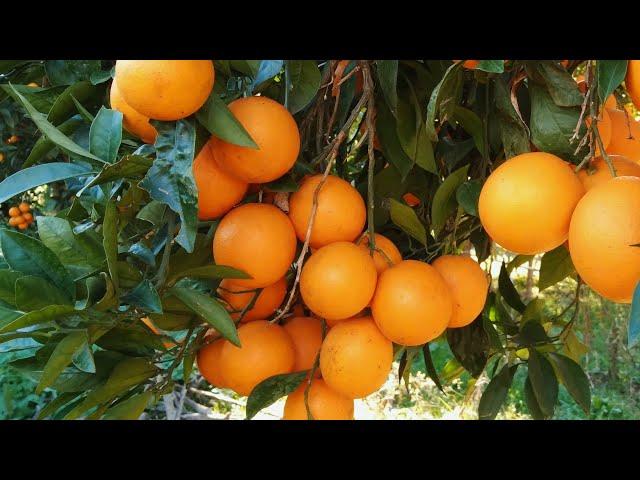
x: 573, y: 347
x: 561, y: 86
x: 213, y: 272
x: 51, y: 132
x: 513, y: 131
x: 633, y: 334
x: 81, y: 254
x: 35, y: 293
x: 555, y: 266
x: 543, y: 382
x: 444, y: 98
x: 130, y: 409
x: 135, y: 341
x: 391, y: 147
x: 532, y: 333
x: 496, y: 393
x: 271, y: 389
x: 105, y: 134
x: 52, y: 312
x: 508, y: 291
x: 552, y: 126
x: 431, y: 369
x: 470, y: 346
x: 574, y: 379
x: 444, y: 200
x: 44, y: 145
x: 216, y: 117
x: 130, y: 166
x: 83, y: 358
x: 472, y: 124
x: 8, y: 285
x: 406, y: 218
x: 491, y: 66
x: 65, y: 105
x: 286, y: 183
x: 532, y: 401
x: 30, y: 256
x: 467, y: 196
x: 387, y: 71
x: 126, y: 374
x: 210, y: 309
x: 412, y: 135
x: 32, y: 177
x: 7, y: 316
x: 305, y: 83
x: 110, y: 240
x: 610, y: 74
x: 517, y: 261
x: 55, y: 404
x: 60, y: 358
x: 187, y: 365
x: 145, y: 296
x: 170, y: 178
x: 67, y: 72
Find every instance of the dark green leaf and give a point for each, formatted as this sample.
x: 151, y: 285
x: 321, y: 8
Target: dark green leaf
x: 305, y: 82
x: 110, y: 240
x: 52, y: 312
x: 60, y: 358
x: 210, y: 271
x: 406, y: 218
x: 67, y: 72
x: 44, y: 145
x: 471, y: 124
x: 532, y: 401
x: 138, y: 341
x: 496, y: 393
x: 8, y: 285
x: 387, y: 71
x: 560, y: 84
x: 555, y: 266
x: 634, y: 319
x: 55, y: 404
x: 388, y: 133
x: 468, y: 194
x: 216, y: 117
x: 129, y: 409
x: 491, y: 66
x: 271, y: 389
x: 508, y: 291
x: 412, y: 135
x: 431, y: 369
x: 35, y: 293
x: 65, y: 105
x: 444, y: 98
x: 532, y: 333
x: 574, y: 379
x: 106, y: 134
x: 513, y: 131
x: 543, y: 382
x: 610, y: 74
x: 130, y: 166
x: 444, y: 201
x: 470, y: 345
x: 145, y: 296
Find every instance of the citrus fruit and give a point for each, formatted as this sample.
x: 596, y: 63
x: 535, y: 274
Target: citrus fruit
x: 340, y: 216
x: 390, y: 252
x: 133, y: 121
x: 266, y: 350
x: 14, y: 212
x: 24, y: 207
x: 218, y: 191
x: 632, y: 81
x: 338, y: 280
x: 28, y: 217
x: 355, y: 358
x: 257, y: 239
x: 526, y: 203
x: 411, y: 200
x: 625, y: 136
x: 209, y: 363
x: 468, y: 285
x: 15, y: 221
x: 165, y: 89
x: 599, y: 171
x: 604, y: 227
x: 273, y: 129
x: 238, y: 297
x: 412, y: 304
x: 306, y: 334
x: 324, y: 403
x: 23, y: 226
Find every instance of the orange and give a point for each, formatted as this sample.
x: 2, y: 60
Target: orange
x: 610, y: 103
x: 14, y: 212
x: 306, y: 334
x: 15, y: 221
x: 526, y: 203
x: 218, y: 191
x: 411, y: 200
x: 257, y: 239
x: 468, y: 285
x: 149, y: 323
x: 338, y: 280
x: 267, y: 350
x: 209, y: 363
x: 28, y: 217
x: 238, y: 297
x: 632, y: 81
x: 412, y: 304
x: 165, y: 89
x: 333, y: 322
x: 24, y: 207
x: 470, y: 64
x: 324, y: 403
x: 625, y: 136
x: 356, y: 358
x: 600, y: 171
x: 32, y: 84
x: 604, y: 228
x: 13, y: 139
x: 275, y: 132
x: 23, y: 226
x: 391, y: 252
x: 133, y: 121
x: 340, y: 216
x: 1, y: 157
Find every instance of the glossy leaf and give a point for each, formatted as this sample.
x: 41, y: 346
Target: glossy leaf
x: 508, y: 291
x: 472, y: 124
x: 216, y: 117
x: 43, y: 146
x: 496, y: 393
x: 491, y: 66
x: 144, y: 296
x: 8, y: 285
x: 210, y: 271
x: 65, y: 104
x: 272, y: 389
x: 444, y: 98
x: 406, y: 218
x: 387, y: 71
x: 470, y: 346
x: 444, y: 200
x: 555, y: 266
x: 37, y: 317
x: 35, y: 293
x: 431, y: 369
x: 574, y: 379
x: 560, y: 84
x: 391, y: 146
x: 105, y: 135
x: 467, y: 196
x: 543, y: 381
x: 305, y: 82
x: 129, y: 409
x: 532, y: 401
x: 610, y: 74
x: 67, y: 72
x: 60, y: 358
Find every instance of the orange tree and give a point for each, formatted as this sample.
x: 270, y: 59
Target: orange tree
x: 133, y: 238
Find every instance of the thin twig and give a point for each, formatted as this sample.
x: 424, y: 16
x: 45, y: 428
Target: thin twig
x: 371, y: 132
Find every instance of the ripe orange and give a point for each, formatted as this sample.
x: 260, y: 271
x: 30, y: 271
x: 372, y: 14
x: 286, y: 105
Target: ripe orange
x: 526, y: 203
x: 390, y: 251
x: 238, y: 297
x: 306, y: 334
x: 632, y: 81
x: 32, y: 84
x: 218, y: 191
x: 275, y: 132
x: 14, y: 212
x: 340, y: 216
x: 324, y: 403
x: 133, y: 121
x: 412, y: 304
x: 411, y: 200
x: 267, y: 350
x: 600, y: 174
x: 470, y: 64
x: 15, y: 221
x: 24, y: 207
x: 625, y: 137
x: 28, y: 217
x: 356, y: 358
x: 1, y: 157
x: 23, y: 226
x: 209, y: 363
x: 257, y: 239
x: 468, y: 285
x: 604, y: 226
x: 13, y: 139
x: 611, y: 103
x: 332, y: 323
x: 165, y: 89
x: 338, y: 280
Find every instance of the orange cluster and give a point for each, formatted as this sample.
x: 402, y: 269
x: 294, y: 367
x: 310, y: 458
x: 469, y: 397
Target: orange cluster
x: 20, y: 216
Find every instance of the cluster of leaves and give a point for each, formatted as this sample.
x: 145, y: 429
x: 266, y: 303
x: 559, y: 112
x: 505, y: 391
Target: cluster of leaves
x: 128, y: 243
